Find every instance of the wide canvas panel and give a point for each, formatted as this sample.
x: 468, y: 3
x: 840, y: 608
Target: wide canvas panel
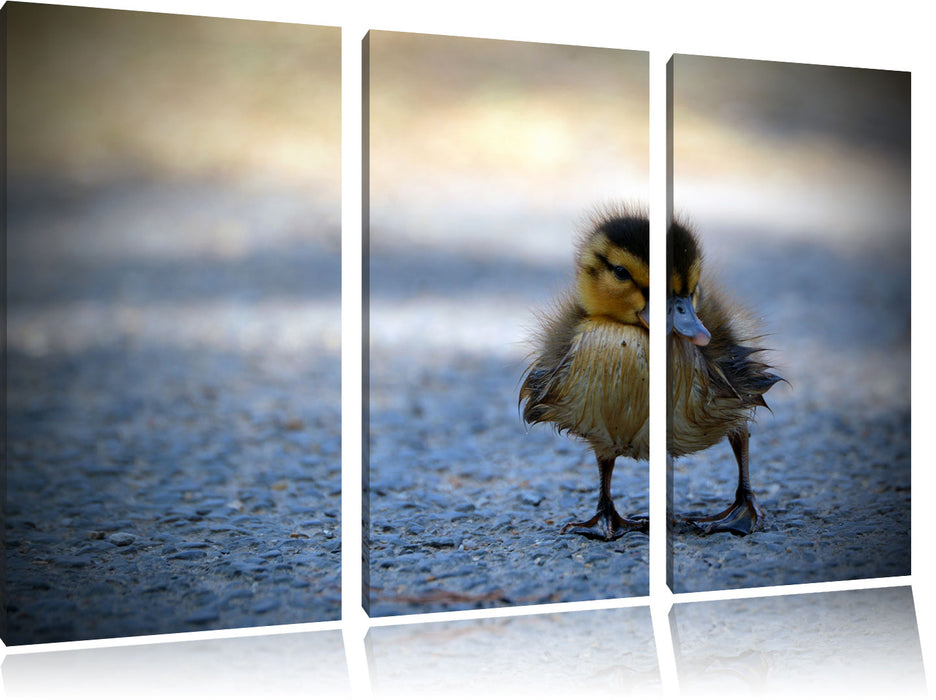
x: 796, y: 180
x: 482, y: 160
x: 172, y: 345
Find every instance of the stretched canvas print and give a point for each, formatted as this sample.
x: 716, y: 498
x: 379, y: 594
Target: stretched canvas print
x: 788, y: 309
x: 496, y: 175
x: 172, y: 358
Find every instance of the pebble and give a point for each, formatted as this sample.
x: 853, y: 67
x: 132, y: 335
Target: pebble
x: 203, y: 615
x: 72, y: 561
x: 245, y: 566
x: 114, y: 525
x: 95, y: 547
x: 189, y: 555
x: 265, y: 605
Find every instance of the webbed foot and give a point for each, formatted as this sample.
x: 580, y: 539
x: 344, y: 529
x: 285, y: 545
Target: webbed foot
x: 607, y: 525
x: 742, y: 518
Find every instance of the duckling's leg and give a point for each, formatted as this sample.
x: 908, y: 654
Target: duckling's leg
x: 606, y: 523
x: 743, y: 517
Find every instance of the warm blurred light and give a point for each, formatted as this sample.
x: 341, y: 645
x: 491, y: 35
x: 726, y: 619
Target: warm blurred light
x: 96, y: 94
x: 472, y: 141
x: 791, y: 149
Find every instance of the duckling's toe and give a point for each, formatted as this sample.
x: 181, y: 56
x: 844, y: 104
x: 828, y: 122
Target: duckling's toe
x: 742, y: 518
x: 607, y: 525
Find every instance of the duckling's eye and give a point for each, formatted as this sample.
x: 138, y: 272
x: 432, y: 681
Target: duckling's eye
x: 621, y: 273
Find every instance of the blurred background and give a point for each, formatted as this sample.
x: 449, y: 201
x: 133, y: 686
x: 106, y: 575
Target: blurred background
x: 797, y: 179
x: 485, y: 159
x: 173, y: 323
x: 102, y: 95
x: 792, y: 149
x: 470, y: 138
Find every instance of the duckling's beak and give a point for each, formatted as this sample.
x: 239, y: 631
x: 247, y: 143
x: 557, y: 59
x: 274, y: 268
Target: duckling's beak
x: 644, y: 315
x: 681, y: 317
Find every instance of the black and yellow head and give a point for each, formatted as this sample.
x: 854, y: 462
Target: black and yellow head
x: 613, y: 268
x: 684, y: 262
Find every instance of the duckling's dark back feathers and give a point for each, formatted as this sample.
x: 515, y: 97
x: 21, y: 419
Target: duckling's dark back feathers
x: 682, y: 253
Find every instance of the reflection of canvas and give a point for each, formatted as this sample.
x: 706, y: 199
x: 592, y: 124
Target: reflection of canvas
x: 594, y: 653
x: 796, y: 178
x: 484, y: 156
x: 245, y: 666
x: 859, y: 642
x: 172, y: 371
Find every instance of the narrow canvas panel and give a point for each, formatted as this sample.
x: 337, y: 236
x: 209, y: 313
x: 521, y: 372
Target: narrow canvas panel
x: 172, y: 369
x: 484, y: 160
x: 790, y: 189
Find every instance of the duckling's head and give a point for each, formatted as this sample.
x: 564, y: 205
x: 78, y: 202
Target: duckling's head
x: 613, y: 268
x: 684, y: 260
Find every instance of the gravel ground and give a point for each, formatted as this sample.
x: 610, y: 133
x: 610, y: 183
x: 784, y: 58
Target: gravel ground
x: 173, y: 412
x: 796, y: 179
x: 465, y: 503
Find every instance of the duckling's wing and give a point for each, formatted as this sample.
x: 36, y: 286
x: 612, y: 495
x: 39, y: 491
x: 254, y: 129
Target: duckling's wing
x: 735, y: 368
x: 748, y: 377
x: 552, y: 361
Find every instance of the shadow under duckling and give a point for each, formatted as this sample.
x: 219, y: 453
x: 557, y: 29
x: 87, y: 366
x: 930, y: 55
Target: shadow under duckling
x: 590, y: 374
x: 714, y: 380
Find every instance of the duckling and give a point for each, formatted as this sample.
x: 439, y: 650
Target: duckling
x: 590, y: 375
x: 715, y: 380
